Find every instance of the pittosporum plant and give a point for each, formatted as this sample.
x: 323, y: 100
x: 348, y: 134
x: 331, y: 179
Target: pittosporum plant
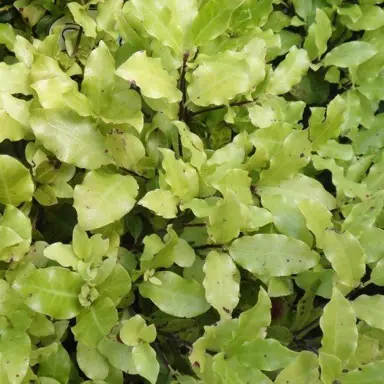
x: 191, y: 191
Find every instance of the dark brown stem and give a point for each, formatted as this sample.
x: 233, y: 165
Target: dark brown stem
x: 209, y: 246
x: 77, y: 43
x: 215, y: 108
x: 182, y: 87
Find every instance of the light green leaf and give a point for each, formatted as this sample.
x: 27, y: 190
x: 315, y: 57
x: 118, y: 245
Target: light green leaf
x: 68, y: 135
x: 254, y: 321
x: 15, y: 348
x: 56, y: 365
x: 287, y: 218
x: 91, y: 362
x: 162, y: 202
x: 299, y: 188
x: 293, y: 156
x: 321, y: 131
x: 289, y: 72
x: 95, y: 322
x: 303, y: 370
x: 99, y: 77
x: 82, y: 18
x: 367, y: 374
x: 331, y: 367
x: 272, y: 255
x: 221, y: 283
x: 363, y: 215
x: 103, y: 198
x: 148, y: 73
x: 231, y: 370
x: 116, y: 285
x: 80, y: 243
x: 266, y: 355
x: 226, y: 219
x: 135, y: 331
x: 346, y: 255
x: 15, y: 78
x: 338, y: 324
x: 372, y: 17
x: 7, y: 36
x: 157, y: 19
x: 318, y: 219
x: 16, y: 184
x: 118, y: 355
x: 180, y: 176
x: 373, y: 248
x: 52, y: 291
x: 175, y: 295
x: 145, y: 361
x: 370, y: 309
x: 318, y: 35
x: 61, y: 253
x: 350, y: 54
x: 213, y: 19
x: 106, y: 15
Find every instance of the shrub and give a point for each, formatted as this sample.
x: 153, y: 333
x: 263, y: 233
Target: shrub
x: 191, y: 191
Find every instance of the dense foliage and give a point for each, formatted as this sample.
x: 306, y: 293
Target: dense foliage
x: 191, y: 191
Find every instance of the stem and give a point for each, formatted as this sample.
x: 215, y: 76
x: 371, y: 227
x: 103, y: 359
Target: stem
x: 215, y: 108
x: 128, y: 172
x: 77, y: 43
x: 302, y: 332
x: 182, y: 87
x: 209, y: 246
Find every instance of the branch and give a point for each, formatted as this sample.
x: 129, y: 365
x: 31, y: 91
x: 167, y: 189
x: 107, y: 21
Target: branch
x: 215, y: 108
x: 77, y: 43
x: 209, y: 246
x: 182, y: 87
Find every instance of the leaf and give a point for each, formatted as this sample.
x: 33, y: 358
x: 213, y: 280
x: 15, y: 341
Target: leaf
x: 15, y: 78
x: 16, y: 184
x: 180, y: 176
x: 272, y: 255
x: 148, y: 73
x: 7, y: 36
x: 371, y: 18
x: 367, y: 374
x: 162, y: 202
x: 15, y: 348
x: 68, y: 135
x: 293, y: 156
x: 289, y: 72
x: 318, y: 35
x: 95, y: 322
x: 83, y: 19
x: 303, y: 370
x: 91, y: 362
x: 370, y: 309
x: 338, y: 324
x: 175, y: 295
x: 61, y: 253
x: 318, y: 219
x: 226, y: 219
x: 346, y: 255
x: 232, y: 370
x: 221, y: 283
x: 126, y: 149
x: 255, y: 320
x: 92, y: 198
x: 52, y: 291
x: 145, y: 361
x: 363, y: 215
x: 299, y: 188
x: 212, y: 20
x: 350, y: 54
x: 135, y: 330
x: 157, y: 21
x: 266, y: 355
x: 56, y: 365
x: 99, y: 77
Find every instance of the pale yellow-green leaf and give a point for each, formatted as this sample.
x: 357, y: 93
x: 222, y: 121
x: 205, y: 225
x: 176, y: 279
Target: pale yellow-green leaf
x: 370, y: 309
x: 221, y: 283
x: 162, y: 202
